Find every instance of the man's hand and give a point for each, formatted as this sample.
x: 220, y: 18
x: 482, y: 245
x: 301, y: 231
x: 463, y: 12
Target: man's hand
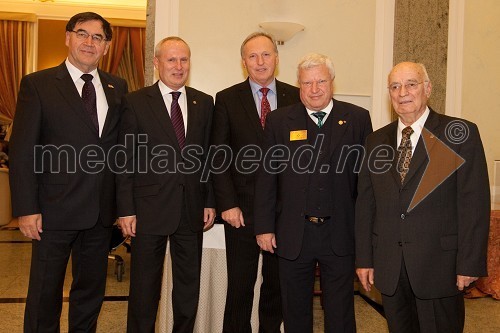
x: 128, y: 224
x: 267, y: 242
x: 365, y: 276
x: 208, y: 218
x: 465, y: 281
x: 234, y: 216
x: 31, y: 225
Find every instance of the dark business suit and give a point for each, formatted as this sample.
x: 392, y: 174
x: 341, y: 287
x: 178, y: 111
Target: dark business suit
x: 286, y: 198
x: 71, y: 199
x: 445, y: 234
x: 237, y: 125
x: 167, y: 201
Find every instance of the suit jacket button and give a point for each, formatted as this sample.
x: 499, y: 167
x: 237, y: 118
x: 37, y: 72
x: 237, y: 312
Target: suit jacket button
x: 403, y: 216
x: 400, y: 243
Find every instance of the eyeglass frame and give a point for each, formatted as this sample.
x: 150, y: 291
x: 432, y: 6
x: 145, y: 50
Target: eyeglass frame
x: 84, y: 35
x: 409, y: 86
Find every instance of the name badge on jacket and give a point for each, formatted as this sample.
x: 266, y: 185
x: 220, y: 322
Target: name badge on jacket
x: 298, y: 135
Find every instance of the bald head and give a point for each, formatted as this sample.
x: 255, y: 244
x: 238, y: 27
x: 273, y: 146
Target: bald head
x: 409, y: 88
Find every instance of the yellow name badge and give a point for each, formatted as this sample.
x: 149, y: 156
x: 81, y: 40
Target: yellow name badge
x: 298, y: 135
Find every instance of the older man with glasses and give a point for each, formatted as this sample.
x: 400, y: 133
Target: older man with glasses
x: 422, y: 214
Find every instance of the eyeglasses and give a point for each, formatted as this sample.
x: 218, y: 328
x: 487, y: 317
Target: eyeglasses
x: 83, y: 35
x: 319, y: 83
x: 409, y: 86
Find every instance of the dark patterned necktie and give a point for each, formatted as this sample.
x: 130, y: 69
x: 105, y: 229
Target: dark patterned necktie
x: 265, y: 107
x: 177, y: 120
x: 89, y: 99
x: 320, y: 115
x: 405, y: 153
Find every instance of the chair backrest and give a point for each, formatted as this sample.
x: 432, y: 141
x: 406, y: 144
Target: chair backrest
x: 5, y: 205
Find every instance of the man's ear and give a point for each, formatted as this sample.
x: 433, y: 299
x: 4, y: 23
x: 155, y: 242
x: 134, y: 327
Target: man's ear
x: 108, y: 44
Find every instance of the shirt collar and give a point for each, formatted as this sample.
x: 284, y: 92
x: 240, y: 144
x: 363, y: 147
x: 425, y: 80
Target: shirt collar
x: 165, y: 90
x: 256, y: 87
x: 76, y: 74
x: 417, y: 125
x: 327, y: 109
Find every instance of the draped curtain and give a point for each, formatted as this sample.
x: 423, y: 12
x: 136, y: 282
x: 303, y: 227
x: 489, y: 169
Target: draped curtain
x: 16, y: 54
x: 125, y: 56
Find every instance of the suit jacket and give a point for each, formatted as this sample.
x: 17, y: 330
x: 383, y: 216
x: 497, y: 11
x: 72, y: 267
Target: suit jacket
x: 237, y: 125
x: 280, y: 206
x: 445, y: 234
x: 154, y: 187
x: 62, y: 180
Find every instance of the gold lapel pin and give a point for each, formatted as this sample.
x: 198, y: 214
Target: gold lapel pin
x: 342, y: 122
x: 110, y: 86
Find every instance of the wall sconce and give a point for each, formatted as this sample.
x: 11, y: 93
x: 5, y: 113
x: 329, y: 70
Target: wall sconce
x: 281, y: 31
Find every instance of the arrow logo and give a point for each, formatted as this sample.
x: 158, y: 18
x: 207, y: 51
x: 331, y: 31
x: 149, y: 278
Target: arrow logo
x: 443, y: 162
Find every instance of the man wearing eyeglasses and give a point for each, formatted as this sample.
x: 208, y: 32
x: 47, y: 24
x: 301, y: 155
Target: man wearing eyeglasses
x: 306, y: 186
x: 422, y: 213
x: 63, y: 190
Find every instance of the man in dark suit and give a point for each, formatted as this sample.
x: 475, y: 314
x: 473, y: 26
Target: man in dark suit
x: 422, y: 213
x: 306, y: 186
x: 160, y: 195
x: 240, y: 112
x: 63, y: 190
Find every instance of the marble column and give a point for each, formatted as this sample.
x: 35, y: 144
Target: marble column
x: 150, y: 42
x: 421, y: 35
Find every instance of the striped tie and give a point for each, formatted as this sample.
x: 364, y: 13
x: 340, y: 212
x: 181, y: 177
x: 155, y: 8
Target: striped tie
x: 177, y: 120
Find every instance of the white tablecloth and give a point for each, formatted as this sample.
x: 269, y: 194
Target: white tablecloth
x: 212, y: 289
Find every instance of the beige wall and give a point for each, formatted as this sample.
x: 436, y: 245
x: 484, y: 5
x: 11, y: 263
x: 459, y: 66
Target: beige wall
x: 341, y: 29
x: 481, y: 73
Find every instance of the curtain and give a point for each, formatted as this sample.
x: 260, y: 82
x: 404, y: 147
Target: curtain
x: 16, y: 54
x: 125, y: 56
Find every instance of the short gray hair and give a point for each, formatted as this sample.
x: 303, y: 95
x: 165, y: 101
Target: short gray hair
x: 311, y: 60
x: 417, y: 64
x: 255, y: 35
x: 166, y: 39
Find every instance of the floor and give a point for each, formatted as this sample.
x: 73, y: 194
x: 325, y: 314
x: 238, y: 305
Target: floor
x: 482, y: 315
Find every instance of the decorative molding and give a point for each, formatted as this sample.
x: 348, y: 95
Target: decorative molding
x: 383, y: 62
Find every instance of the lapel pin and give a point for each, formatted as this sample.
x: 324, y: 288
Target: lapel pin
x: 342, y: 122
x: 110, y: 86
x: 194, y: 102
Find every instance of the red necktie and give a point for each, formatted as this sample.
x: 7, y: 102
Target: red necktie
x: 89, y: 99
x: 265, y: 107
x: 177, y: 120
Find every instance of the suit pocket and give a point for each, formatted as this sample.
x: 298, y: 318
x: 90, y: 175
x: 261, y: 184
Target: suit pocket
x: 146, y: 190
x: 449, y: 242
